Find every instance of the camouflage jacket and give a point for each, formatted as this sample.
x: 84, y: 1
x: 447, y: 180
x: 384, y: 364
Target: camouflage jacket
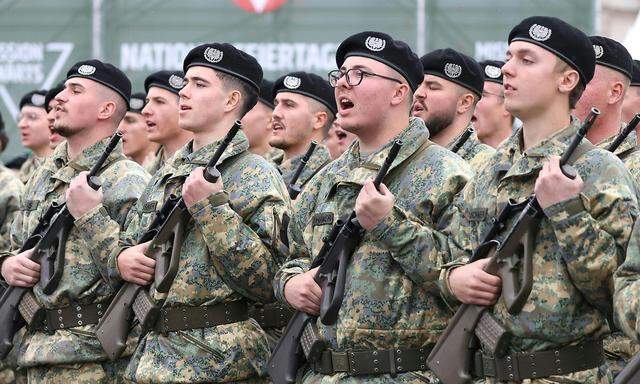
x: 629, y: 153
x: 318, y: 160
x: 228, y: 255
x: 89, y: 244
x: 272, y: 154
x: 473, y: 150
x: 392, y: 296
x: 10, y: 190
x: 157, y: 162
x: 580, y: 241
x: 29, y: 166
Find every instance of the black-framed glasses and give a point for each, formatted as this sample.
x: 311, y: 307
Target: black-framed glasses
x: 354, y: 76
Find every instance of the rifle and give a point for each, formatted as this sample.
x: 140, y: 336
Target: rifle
x: 631, y: 372
x: 47, y: 241
x: 168, y: 227
x: 452, y: 356
x: 462, y: 139
x: 337, y: 248
x: 624, y: 133
x: 293, y: 189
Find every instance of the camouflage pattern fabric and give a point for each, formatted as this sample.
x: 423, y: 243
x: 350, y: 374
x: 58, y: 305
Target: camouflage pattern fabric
x: 318, y: 160
x: 228, y: 255
x: 157, y: 162
x: 473, y: 150
x: 29, y: 166
x: 579, y: 245
x: 629, y: 153
x: 10, y: 190
x: 107, y: 372
x: 392, y: 296
x: 89, y: 244
x: 272, y: 154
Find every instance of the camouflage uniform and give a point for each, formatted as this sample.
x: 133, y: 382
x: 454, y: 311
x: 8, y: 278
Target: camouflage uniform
x: 318, y: 160
x: 629, y: 153
x: 473, y: 150
x: 579, y: 245
x: 392, y: 297
x: 89, y: 244
x: 10, y: 190
x: 157, y: 162
x: 227, y: 255
x: 272, y: 154
x: 29, y: 166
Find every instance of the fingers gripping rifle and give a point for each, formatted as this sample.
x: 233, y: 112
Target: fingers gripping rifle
x: 294, y: 189
x: 509, y: 257
x: 625, y: 132
x: 48, y: 242
x: 166, y: 233
x: 337, y: 248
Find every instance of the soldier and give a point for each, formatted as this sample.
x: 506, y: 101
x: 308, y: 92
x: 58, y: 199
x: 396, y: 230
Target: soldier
x: 338, y: 140
x: 161, y: 115
x: 10, y: 190
x: 34, y: 131
x: 50, y: 104
x: 228, y: 255
x: 631, y: 103
x: 446, y: 99
x: 135, y: 139
x: 256, y: 124
x: 586, y: 225
x: 305, y: 107
x: 492, y: 122
x: 88, y: 112
x: 392, y: 303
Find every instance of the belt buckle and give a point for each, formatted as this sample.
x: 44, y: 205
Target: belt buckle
x: 339, y: 362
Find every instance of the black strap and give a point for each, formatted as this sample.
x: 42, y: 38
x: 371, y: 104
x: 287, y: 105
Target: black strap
x: 373, y: 362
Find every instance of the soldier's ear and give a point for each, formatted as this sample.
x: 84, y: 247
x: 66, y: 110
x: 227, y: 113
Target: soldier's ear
x: 568, y: 80
x: 233, y: 100
x: 466, y: 102
x: 402, y: 92
x: 106, y: 110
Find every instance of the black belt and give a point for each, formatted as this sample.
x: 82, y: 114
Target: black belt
x: 533, y: 365
x: 184, y: 317
x: 372, y: 362
x: 273, y: 315
x: 48, y: 320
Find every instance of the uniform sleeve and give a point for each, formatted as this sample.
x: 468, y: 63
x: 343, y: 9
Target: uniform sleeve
x: 242, y: 234
x: 626, y: 301
x: 9, y: 210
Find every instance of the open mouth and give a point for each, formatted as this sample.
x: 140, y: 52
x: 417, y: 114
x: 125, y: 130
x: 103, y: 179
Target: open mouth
x: 474, y: 118
x: 277, y: 127
x: 345, y: 104
x: 150, y: 124
x: 508, y: 87
x: 341, y: 135
x: 184, y: 107
x: 417, y: 107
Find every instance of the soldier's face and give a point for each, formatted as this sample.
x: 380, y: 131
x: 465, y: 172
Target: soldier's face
x: 54, y: 138
x: 490, y: 114
x: 78, y: 106
x: 435, y: 102
x: 631, y: 104
x: 338, y: 140
x: 292, y: 124
x: 34, y: 127
x: 256, y: 124
x: 202, y: 100
x: 530, y: 79
x: 161, y: 115
x: 134, y: 134
x: 598, y: 92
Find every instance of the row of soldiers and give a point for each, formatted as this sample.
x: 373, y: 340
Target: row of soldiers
x: 248, y: 245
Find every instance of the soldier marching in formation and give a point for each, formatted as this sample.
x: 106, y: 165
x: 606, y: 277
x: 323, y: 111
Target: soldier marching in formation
x: 426, y: 222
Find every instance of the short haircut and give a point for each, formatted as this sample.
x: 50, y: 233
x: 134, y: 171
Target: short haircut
x: 249, y: 94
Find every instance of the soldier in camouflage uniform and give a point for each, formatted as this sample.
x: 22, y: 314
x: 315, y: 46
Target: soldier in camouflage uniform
x: 492, y: 122
x: 446, y: 99
x: 90, y: 108
x: 305, y: 107
x: 392, y: 298
x: 631, y: 103
x: 228, y: 256
x: 256, y: 124
x: 586, y: 225
x: 161, y: 114
x: 34, y: 132
x: 50, y: 104
x: 338, y: 140
x: 135, y: 139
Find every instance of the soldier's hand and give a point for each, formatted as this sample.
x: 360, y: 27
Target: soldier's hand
x: 196, y: 188
x: 552, y: 186
x: 81, y: 198
x: 472, y: 285
x: 19, y: 271
x: 303, y: 293
x: 373, y: 206
x: 135, y: 267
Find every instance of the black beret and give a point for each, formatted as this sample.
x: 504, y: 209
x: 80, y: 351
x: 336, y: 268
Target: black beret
x: 137, y: 102
x: 34, y: 98
x: 383, y: 48
x: 307, y: 84
x: 635, y: 77
x: 226, y: 58
x: 266, y: 93
x: 172, y: 81
x: 454, y: 66
x: 612, y: 54
x: 51, y: 94
x: 492, y: 70
x: 104, y: 73
x: 563, y: 40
